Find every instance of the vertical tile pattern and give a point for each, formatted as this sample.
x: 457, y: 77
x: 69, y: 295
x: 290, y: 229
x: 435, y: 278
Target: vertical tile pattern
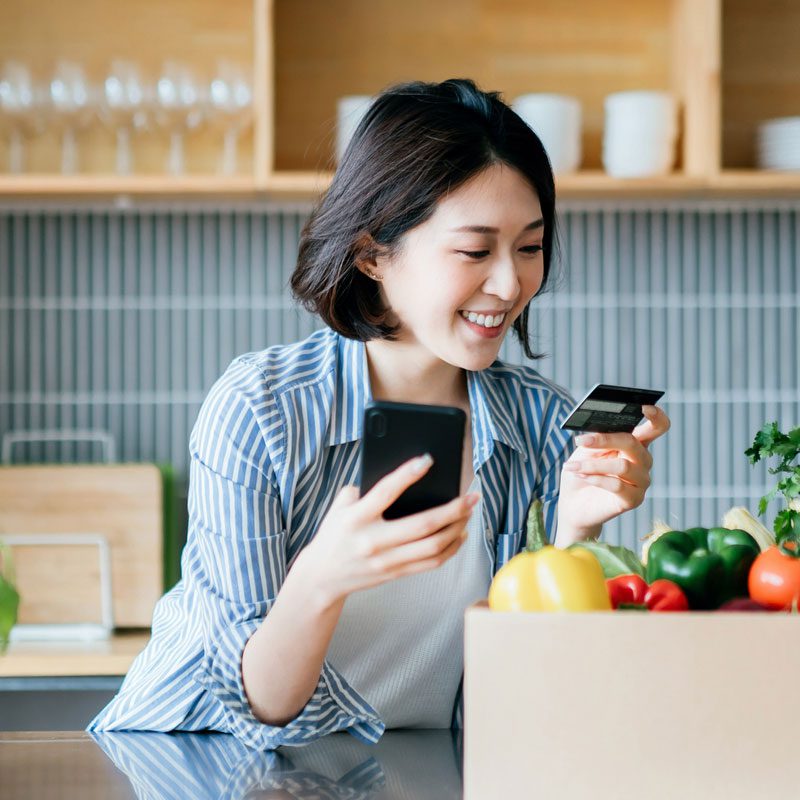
x: 122, y: 319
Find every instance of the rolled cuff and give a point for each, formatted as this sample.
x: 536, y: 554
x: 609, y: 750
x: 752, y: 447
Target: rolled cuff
x: 334, y: 706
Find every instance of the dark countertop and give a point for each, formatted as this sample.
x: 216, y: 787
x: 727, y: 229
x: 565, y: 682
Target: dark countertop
x: 404, y: 764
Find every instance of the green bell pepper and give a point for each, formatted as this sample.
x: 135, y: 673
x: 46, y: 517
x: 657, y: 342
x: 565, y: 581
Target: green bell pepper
x: 711, y: 565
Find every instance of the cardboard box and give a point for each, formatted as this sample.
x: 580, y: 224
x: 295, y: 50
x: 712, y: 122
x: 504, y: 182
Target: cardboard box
x: 630, y: 705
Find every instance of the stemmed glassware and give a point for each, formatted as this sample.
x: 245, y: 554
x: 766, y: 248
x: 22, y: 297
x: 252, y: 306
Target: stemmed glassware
x: 179, y: 108
x: 125, y: 105
x: 73, y: 103
x: 21, y: 106
x: 178, y: 102
x: 230, y: 102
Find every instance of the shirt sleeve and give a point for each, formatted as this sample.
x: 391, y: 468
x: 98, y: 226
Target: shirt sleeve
x: 558, y: 446
x: 236, y: 560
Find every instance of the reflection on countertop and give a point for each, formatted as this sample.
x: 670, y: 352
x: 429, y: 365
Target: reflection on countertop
x: 404, y: 764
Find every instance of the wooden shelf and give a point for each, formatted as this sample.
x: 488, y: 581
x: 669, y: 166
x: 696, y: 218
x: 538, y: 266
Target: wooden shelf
x: 754, y: 182
x: 587, y: 183
x: 69, y: 659
x: 309, y: 185
x: 99, y: 185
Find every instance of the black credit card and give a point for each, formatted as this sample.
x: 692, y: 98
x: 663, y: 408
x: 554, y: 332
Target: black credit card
x: 610, y: 409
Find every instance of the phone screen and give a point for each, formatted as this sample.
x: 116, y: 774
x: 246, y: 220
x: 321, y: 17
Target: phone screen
x: 396, y: 432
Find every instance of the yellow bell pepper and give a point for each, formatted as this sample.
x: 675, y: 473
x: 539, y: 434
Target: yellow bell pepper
x: 551, y: 579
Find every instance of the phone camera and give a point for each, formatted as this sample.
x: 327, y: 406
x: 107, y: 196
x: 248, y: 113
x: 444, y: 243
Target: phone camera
x: 377, y: 424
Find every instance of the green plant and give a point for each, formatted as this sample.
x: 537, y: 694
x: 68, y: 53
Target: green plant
x: 770, y: 441
x: 9, y: 597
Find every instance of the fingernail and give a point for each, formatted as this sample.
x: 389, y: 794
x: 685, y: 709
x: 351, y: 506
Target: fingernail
x: 649, y: 411
x: 422, y: 463
x: 472, y: 499
x: 572, y: 466
x: 585, y: 439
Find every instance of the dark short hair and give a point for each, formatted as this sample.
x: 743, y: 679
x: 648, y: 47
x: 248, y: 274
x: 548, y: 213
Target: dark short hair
x: 416, y: 142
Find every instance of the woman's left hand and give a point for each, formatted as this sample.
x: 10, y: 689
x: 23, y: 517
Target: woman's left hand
x: 607, y: 475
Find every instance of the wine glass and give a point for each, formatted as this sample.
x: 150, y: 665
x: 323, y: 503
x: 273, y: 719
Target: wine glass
x: 73, y: 102
x: 230, y: 102
x: 179, y: 108
x: 21, y: 105
x: 124, y: 107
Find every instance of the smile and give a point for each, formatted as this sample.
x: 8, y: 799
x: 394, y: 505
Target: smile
x: 480, y: 329
x: 488, y: 321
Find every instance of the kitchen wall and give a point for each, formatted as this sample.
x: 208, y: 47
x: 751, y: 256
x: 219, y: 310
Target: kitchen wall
x: 121, y: 319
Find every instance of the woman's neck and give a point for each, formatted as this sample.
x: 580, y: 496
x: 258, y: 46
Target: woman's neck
x: 397, y: 374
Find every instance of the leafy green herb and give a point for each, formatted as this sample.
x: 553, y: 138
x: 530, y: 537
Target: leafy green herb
x: 770, y: 442
x: 614, y: 560
x: 9, y: 597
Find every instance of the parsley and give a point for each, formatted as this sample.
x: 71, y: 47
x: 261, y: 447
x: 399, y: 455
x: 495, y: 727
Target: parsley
x: 770, y: 441
x: 9, y: 597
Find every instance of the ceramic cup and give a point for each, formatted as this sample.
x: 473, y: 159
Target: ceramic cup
x: 556, y: 120
x: 641, y: 130
x: 349, y: 111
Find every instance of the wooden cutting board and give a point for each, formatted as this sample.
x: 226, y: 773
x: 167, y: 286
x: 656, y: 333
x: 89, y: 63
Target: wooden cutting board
x: 58, y: 584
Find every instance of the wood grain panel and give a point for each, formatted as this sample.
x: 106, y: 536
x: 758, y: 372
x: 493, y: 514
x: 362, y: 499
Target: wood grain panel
x: 93, y: 32
x: 586, y: 49
x: 122, y: 502
x: 760, y: 72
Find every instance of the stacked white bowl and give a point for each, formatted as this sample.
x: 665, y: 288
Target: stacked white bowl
x: 556, y: 120
x: 778, y: 144
x: 349, y: 111
x: 641, y: 129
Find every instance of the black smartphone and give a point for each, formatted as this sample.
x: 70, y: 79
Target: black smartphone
x: 395, y: 432
x: 610, y: 409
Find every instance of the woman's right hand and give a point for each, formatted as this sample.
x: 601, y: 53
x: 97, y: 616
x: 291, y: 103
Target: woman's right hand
x: 356, y: 548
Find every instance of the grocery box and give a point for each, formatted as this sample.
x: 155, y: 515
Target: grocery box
x: 630, y: 704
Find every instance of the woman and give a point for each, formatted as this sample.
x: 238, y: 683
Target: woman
x: 301, y: 611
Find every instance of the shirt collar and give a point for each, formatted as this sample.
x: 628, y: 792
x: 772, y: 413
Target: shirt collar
x: 352, y: 391
x: 491, y: 412
x: 492, y: 420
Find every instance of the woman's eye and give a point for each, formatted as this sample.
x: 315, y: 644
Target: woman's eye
x: 532, y: 249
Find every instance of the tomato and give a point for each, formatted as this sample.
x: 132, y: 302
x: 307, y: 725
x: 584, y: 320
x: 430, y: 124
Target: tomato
x: 774, y: 578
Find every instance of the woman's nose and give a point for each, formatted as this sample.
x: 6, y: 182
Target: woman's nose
x: 503, y: 280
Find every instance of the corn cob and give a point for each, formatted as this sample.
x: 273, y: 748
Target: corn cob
x: 659, y: 529
x: 739, y: 517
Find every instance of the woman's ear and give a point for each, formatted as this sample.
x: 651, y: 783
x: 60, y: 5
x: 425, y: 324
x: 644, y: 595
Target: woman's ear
x: 367, y: 252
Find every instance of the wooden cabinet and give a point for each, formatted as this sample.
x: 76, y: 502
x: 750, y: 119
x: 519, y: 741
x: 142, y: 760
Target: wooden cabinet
x: 761, y: 75
x: 94, y: 32
x: 732, y: 63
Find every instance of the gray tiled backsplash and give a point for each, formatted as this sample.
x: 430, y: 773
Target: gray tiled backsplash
x: 122, y: 319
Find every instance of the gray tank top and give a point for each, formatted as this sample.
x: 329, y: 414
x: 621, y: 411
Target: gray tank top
x: 400, y: 645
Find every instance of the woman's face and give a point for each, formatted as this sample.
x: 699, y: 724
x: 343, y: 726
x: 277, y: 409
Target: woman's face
x: 480, y: 252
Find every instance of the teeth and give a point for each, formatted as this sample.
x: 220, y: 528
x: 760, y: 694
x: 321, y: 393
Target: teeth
x: 487, y: 321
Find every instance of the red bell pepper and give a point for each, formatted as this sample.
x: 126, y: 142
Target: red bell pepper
x: 632, y: 591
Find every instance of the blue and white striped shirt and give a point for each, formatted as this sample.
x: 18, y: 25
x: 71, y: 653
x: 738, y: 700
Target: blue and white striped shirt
x: 277, y: 437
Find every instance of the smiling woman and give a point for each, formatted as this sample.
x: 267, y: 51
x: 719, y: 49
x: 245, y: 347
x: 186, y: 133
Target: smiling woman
x: 291, y: 621
x: 453, y: 172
